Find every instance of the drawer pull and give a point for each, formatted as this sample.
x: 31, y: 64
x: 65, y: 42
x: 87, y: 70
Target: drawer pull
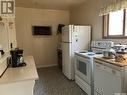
x: 98, y: 62
x: 98, y: 65
x: 113, y: 71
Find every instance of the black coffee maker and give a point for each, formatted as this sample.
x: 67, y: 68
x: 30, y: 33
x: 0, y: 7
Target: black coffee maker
x: 17, y: 58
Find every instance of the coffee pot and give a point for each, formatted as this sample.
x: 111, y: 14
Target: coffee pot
x: 17, y: 58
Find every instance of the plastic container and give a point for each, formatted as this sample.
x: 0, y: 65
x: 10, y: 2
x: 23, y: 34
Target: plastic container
x: 109, y: 53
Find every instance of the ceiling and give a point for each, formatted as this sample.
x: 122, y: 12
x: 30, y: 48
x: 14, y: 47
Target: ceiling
x: 49, y: 4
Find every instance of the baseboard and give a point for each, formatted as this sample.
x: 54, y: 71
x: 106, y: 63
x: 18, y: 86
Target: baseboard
x: 46, y: 65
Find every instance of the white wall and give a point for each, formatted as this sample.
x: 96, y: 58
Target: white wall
x: 88, y: 14
x: 43, y: 48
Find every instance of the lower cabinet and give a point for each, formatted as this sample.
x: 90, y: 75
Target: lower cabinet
x: 19, y: 81
x: 17, y: 88
x: 108, y: 79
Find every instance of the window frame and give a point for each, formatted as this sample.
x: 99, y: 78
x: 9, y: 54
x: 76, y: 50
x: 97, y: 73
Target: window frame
x: 105, y: 34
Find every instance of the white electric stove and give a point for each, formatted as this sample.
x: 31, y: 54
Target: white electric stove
x: 84, y: 76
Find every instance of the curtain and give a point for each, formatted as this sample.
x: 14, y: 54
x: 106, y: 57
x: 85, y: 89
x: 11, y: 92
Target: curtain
x: 114, y: 6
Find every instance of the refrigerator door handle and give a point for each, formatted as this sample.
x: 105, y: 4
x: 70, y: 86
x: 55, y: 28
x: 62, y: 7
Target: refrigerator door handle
x: 66, y: 42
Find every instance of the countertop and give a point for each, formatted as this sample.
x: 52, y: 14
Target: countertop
x: 29, y: 72
x: 4, y: 57
x: 112, y: 61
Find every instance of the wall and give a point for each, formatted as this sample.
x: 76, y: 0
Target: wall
x: 88, y: 14
x: 43, y: 48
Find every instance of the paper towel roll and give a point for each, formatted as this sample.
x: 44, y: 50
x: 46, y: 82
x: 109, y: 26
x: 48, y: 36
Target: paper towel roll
x: 0, y: 47
x: 0, y: 55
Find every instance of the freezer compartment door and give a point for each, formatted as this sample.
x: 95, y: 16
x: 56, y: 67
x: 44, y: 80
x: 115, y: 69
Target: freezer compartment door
x: 67, y: 65
x: 67, y: 33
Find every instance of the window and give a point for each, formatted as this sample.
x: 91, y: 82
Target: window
x: 114, y: 25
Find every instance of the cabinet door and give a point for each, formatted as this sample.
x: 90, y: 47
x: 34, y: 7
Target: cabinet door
x: 107, y: 81
x: 3, y: 37
x: 12, y: 31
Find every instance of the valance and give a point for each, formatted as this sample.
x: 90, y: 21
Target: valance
x: 114, y: 6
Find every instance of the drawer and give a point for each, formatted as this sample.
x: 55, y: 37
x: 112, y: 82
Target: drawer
x: 108, y: 69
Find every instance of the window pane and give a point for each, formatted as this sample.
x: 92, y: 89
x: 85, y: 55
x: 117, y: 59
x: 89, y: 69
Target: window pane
x: 116, y: 23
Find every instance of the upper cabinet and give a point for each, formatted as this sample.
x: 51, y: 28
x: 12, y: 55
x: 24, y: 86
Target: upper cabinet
x: 4, y: 39
x: 11, y: 32
x: 7, y: 24
x: 7, y: 34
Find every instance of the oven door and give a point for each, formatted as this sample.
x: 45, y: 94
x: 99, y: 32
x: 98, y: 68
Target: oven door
x: 82, y: 68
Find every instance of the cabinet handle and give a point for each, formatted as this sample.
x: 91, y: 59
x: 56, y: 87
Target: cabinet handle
x: 98, y: 62
x: 113, y: 71
x: 98, y: 65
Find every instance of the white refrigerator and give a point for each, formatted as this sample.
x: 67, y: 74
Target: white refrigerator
x: 74, y: 39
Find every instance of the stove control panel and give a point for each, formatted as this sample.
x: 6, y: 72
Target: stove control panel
x: 102, y: 44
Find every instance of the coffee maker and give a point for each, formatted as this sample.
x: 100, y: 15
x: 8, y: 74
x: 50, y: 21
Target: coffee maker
x: 17, y: 58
